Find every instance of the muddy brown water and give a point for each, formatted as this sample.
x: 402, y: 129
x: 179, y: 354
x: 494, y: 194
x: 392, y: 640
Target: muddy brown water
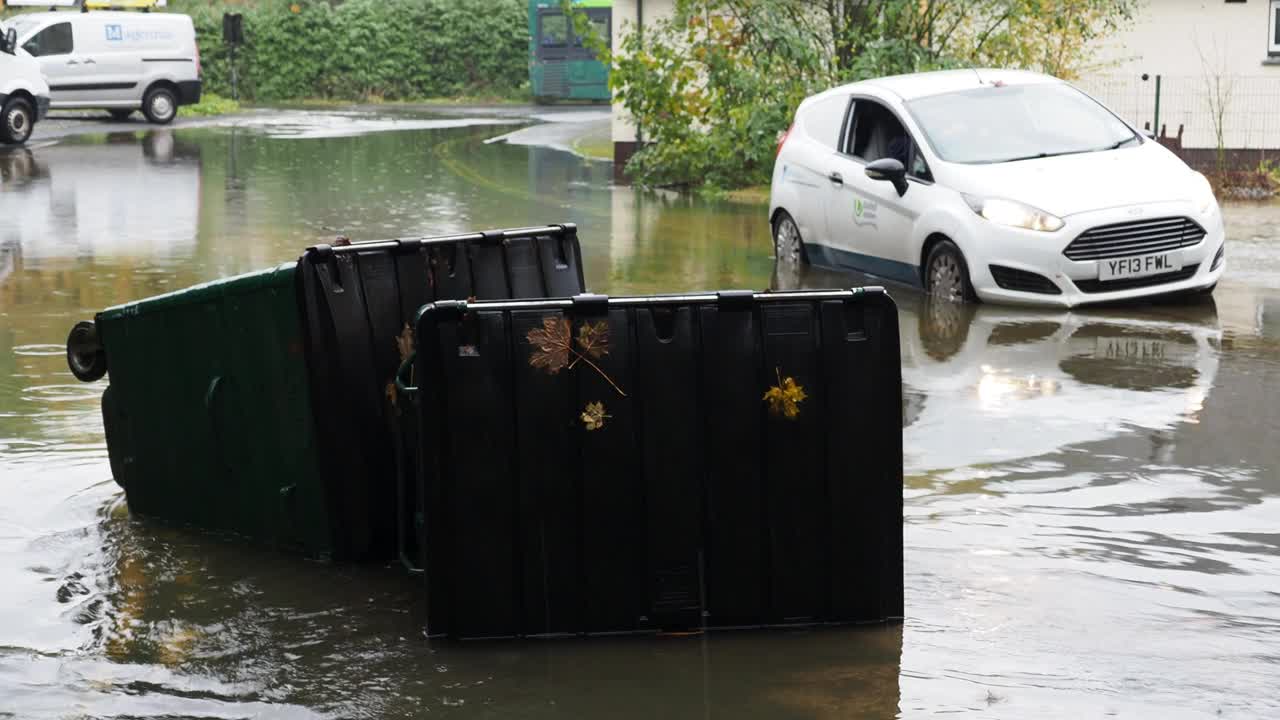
x: 1092, y: 497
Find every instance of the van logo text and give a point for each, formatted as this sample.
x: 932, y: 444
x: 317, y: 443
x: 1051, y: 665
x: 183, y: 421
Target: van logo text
x: 115, y: 33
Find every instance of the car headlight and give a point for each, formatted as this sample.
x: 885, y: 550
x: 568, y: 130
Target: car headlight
x: 1204, y: 198
x: 1013, y: 213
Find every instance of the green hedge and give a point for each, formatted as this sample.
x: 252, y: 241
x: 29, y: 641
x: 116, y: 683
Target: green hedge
x: 367, y: 49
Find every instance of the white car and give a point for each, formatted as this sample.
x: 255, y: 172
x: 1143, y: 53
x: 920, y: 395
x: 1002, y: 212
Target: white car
x: 24, y: 95
x: 116, y: 61
x: 993, y: 185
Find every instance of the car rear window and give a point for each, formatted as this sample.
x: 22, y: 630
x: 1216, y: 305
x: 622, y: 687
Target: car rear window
x: 824, y: 118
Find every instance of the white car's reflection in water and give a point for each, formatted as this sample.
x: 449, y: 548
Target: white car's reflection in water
x: 985, y: 384
x: 90, y: 199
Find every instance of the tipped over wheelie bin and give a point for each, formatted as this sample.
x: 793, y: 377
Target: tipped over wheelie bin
x: 256, y: 405
x: 607, y: 465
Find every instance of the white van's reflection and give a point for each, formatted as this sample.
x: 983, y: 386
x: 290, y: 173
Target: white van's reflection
x: 985, y: 384
x: 122, y: 197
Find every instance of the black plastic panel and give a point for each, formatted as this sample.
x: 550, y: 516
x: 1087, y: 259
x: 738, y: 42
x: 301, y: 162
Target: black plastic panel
x: 694, y: 505
x: 355, y: 300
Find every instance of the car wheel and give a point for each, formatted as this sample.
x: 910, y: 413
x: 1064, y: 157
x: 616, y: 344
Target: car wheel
x: 788, y: 246
x: 120, y: 115
x: 160, y: 106
x: 16, y: 121
x: 946, y: 274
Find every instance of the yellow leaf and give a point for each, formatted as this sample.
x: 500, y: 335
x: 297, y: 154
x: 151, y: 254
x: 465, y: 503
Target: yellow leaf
x: 784, y: 398
x: 593, y: 416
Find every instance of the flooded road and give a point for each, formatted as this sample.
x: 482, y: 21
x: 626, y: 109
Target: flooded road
x: 1092, y: 498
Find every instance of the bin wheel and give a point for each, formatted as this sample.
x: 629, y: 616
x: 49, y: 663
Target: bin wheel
x: 85, y: 354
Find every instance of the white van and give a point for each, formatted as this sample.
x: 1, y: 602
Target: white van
x: 117, y: 61
x: 24, y: 95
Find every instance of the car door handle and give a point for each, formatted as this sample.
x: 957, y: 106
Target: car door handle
x: 73, y: 62
x: 90, y: 61
x: 836, y: 178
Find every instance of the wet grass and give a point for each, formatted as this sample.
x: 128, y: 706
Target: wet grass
x: 597, y: 144
x: 210, y: 104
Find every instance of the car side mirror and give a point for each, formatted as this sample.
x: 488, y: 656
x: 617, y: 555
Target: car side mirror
x: 10, y: 41
x: 891, y: 170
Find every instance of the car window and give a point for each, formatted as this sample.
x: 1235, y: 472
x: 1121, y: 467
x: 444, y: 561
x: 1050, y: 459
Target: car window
x: 877, y: 133
x: 53, y: 40
x: 1000, y: 123
x: 824, y: 118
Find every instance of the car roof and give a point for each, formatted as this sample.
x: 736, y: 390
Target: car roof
x: 916, y: 85
x: 106, y: 14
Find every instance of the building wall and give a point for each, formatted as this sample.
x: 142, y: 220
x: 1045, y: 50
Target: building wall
x: 627, y: 15
x: 1190, y: 44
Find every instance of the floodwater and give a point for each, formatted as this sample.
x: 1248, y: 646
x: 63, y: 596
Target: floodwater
x: 1092, y: 498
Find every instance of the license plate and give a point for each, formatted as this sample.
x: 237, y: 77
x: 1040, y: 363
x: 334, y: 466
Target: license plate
x: 1141, y: 266
x: 1130, y: 349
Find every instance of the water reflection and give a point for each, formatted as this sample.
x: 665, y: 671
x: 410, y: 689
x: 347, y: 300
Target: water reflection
x: 988, y: 384
x: 102, y: 199
x: 217, y: 628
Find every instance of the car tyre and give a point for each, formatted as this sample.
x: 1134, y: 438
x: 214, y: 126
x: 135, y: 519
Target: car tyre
x: 160, y: 106
x: 120, y: 115
x: 788, y: 245
x: 946, y: 274
x: 17, y: 118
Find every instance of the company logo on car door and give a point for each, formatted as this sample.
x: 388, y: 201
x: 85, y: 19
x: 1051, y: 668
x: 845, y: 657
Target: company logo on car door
x: 864, y: 212
x: 115, y: 33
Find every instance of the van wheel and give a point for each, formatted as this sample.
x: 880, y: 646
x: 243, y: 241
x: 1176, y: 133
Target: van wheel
x: 160, y: 106
x: 120, y: 115
x: 946, y: 275
x: 16, y: 121
x: 788, y: 246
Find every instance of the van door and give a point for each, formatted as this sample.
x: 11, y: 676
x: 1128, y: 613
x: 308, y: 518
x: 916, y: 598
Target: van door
x: 815, y: 136
x: 54, y: 48
x: 866, y: 218
x: 102, y: 43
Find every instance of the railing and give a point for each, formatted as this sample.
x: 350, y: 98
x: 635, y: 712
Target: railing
x: 1185, y: 105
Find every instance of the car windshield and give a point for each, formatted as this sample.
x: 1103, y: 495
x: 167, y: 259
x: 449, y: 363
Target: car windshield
x: 1001, y: 123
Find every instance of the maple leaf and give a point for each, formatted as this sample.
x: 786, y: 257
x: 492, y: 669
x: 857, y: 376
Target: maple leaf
x: 551, y: 344
x: 593, y: 338
x: 784, y: 398
x: 593, y: 416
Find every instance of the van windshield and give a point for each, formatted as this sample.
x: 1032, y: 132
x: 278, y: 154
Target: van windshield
x: 1002, y: 123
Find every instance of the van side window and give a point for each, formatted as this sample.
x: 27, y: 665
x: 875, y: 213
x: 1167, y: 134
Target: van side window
x: 824, y: 119
x: 877, y: 133
x: 53, y: 40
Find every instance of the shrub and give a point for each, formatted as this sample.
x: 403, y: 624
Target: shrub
x: 362, y: 49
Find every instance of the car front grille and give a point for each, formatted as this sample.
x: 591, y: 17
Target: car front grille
x: 1100, y: 286
x: 1023, y: 281
x: 1136, y: 237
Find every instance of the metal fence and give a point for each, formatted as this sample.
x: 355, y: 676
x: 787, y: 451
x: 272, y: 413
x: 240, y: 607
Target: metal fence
x: 1252, y: 107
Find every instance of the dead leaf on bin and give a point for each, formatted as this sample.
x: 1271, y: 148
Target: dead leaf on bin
x: 593, y: 416
x: 593, y: 339
x: 551, y: 344
x: 784, y: 398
